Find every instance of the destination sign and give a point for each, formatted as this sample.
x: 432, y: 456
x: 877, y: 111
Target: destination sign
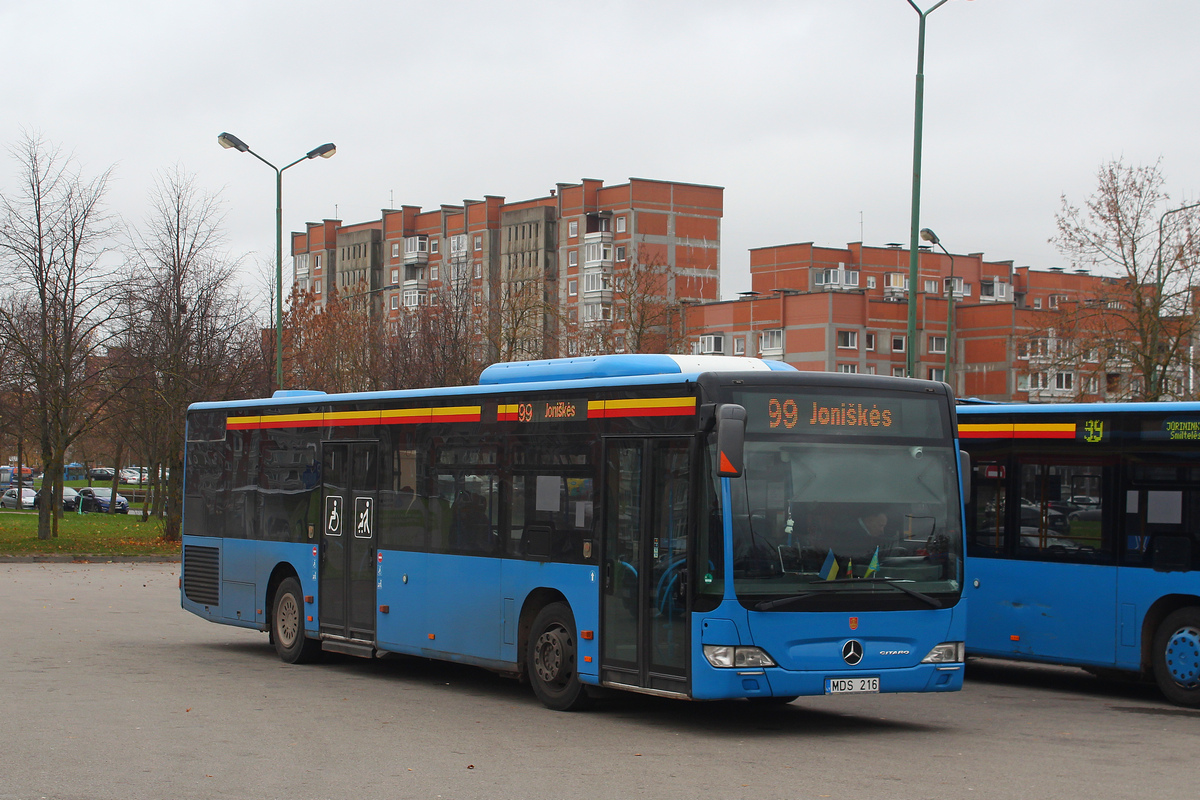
x: 543, y: 411
x: 840, y: 415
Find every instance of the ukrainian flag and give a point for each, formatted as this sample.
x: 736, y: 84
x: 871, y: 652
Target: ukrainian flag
x: 873, y: 567
x: 829, y: 569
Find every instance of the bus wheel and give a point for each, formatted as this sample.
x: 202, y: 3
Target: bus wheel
x: 551, y: 660
x: 287, y: 626
x: 1177, y: 657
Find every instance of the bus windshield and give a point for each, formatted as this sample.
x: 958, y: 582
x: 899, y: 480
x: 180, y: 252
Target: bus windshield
x: 818, y: 518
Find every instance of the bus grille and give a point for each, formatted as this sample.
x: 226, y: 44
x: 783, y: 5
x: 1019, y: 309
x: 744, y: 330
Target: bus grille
x: 202, y: 574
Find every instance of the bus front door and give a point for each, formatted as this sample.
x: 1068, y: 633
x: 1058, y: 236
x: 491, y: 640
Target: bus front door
x: 644, y: 630
x: 348, y: 541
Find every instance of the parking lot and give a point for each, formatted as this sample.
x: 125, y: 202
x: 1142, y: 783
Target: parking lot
x: 112, y: 691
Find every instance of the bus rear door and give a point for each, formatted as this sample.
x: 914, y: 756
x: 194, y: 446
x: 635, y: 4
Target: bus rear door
x: 348, y: 542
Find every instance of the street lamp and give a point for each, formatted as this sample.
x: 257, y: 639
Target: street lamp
x: 931, y: 237
x: 1158, y: 288
x: 228, y: 140
x: 913, y: 245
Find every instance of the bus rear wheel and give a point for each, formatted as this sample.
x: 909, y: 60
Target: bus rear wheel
x: 551, y: 660
x: 1177, y: 657
x: 287, y: 626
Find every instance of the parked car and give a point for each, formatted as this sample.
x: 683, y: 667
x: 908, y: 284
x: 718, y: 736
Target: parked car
x: 131, y: 475
x: 70, y: 499
x: 9, y: 498
x: 97, y: 498
x: 102, y: 473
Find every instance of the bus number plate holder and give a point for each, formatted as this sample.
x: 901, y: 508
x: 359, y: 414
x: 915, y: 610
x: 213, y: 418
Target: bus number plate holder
x: 852, y: 685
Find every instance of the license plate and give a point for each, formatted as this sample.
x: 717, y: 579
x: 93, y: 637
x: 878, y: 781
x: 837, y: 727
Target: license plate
x: 851, y: 685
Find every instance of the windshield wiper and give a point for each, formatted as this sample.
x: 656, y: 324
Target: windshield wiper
x: 767, y: 605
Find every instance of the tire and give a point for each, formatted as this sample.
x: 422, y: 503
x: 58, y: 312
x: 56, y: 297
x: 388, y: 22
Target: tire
x: 1177, y: 657
x: 287, y: 626
x: 551, y: 660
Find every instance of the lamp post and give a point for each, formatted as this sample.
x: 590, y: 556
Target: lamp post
x: 914, y: 246
x: 228, y: 140
x: 931, y: 237
x: 1160, y: 369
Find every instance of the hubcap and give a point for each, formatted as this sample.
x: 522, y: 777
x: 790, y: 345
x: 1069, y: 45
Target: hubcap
x: 289, y: 620
x: 548, y: 655
x: 1183, y: 657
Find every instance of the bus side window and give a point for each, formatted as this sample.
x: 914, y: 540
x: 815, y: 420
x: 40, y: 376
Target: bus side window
x: 988, y: 508
x: 1062, y: 512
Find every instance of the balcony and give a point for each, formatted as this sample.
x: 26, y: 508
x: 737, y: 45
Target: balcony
x: 416, y: 249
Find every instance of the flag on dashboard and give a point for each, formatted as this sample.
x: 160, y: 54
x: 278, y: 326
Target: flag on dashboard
x: 829, y: 569
x: 873, y: 567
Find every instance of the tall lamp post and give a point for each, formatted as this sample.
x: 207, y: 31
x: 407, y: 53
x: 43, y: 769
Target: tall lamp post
x: 228, y: 140
x: 1160, y: 370
x: 931, y: 237
x: 913, y: 245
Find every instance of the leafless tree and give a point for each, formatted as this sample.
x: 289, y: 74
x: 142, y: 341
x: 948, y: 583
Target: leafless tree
x: 189, y: 336
x: 1144, y: 318
x: 57, y: 309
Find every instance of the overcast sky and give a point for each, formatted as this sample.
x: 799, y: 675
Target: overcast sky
x: 802, y: 110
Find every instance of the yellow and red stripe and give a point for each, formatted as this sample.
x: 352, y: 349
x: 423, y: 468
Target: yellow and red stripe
x: 389, y: 416
x: 1016, y: 430
x: 642, y: 407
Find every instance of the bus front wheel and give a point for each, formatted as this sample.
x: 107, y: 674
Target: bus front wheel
x: 552, y: 660
x: 287, y: 626
x: 1177, y: 657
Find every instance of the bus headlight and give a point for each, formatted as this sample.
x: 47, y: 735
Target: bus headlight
x: 945, y: 653
x: 725, y: 655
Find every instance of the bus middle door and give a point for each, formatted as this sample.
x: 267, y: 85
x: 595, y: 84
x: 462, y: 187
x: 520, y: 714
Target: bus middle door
x: 349, y: 541
x: 644, y: 628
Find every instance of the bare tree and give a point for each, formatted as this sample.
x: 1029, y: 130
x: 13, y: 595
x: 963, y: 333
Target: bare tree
x: 638, y: 312
x: 190, y: 336
x: 1144, y: 319
x: 57, y: 309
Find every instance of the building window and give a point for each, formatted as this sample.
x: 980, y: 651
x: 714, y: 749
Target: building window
x: 770, y: 341
x: 739, y: 342
x: 847, y: 340
x: 395, y: 249
x: 620, y: 224
x: 898, y: 372
x: 1038, y: 380
x: 478, y: 243
x: 572, y: 348
x: 316, y: 287
x: 931, y: 287
x: 458, y: 243
x: 870, y: 281
x: 713, y: 343
x: 849, y: 368
x: 317, y: 261
x: 895, y: 280
x: 572, y: 288
x: 897, y: 344
x: 433, y: 245
x: 414, y: 297
x: 870, y: 343
x: 478, y: 270
x: 395, y: 301
x: 597, y: 282
x: 1064, y: 380
x: 573, y: 257
x: 937, y: 374
x: 479, y: 298
x: 433, y: 273
x: 1037, y: 302
x: 573, y: 228
x: 621, y: 250
x: 937, y: 344
x: 869, y: 369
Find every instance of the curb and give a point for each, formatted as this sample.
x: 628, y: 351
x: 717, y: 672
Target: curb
x: 85, y: 558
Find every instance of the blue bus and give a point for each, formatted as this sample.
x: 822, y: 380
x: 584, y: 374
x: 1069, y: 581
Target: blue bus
x: 696, y: 527
x: 1084, y: 537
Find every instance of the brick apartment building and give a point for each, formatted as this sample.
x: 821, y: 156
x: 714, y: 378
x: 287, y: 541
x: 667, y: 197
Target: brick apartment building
x: 531, y: 272
x: 846, y: 310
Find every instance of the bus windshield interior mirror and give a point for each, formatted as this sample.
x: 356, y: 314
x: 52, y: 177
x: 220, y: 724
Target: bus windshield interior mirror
x: 731, y: 440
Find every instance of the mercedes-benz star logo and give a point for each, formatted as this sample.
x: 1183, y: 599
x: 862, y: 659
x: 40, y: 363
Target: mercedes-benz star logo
x: 852, y: 652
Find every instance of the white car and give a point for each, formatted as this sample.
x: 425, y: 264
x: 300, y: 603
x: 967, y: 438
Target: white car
x: 9, y: 498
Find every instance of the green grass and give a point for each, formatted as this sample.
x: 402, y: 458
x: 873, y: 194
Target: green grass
x: 103, y: 535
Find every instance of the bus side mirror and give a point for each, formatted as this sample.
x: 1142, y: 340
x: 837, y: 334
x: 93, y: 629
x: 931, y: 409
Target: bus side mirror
x: 964, y: 460
x: 731, y: 440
